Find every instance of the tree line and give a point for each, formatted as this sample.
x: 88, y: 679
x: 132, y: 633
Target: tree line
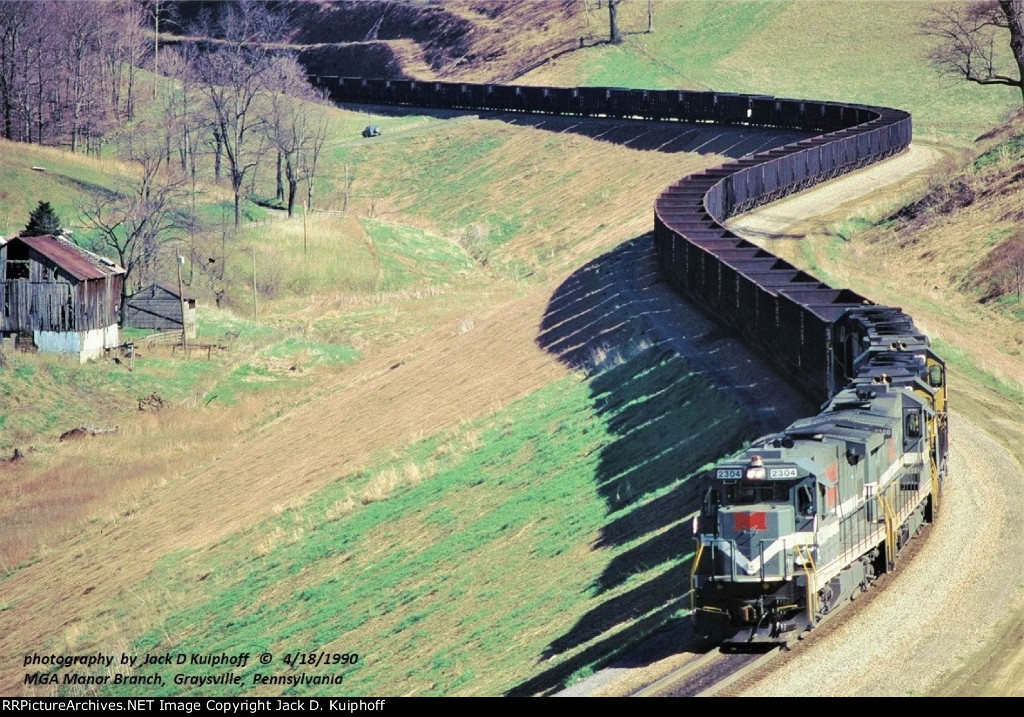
x: 68, y: 71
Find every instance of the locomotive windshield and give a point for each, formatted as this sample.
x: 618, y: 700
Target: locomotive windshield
x: 747, y: 493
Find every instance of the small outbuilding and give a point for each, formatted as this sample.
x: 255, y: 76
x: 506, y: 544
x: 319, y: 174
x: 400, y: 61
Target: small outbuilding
x: 159, y: 307
x: 66, y: 298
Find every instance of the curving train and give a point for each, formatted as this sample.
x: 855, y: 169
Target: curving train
x: 799, y: 522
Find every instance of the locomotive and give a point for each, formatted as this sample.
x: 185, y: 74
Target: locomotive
x: 800, y: 521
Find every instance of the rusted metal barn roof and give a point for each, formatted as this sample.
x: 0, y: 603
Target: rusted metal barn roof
x: 81, y: 264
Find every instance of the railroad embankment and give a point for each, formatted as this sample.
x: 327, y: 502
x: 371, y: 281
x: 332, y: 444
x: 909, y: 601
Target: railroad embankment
x: 488, y: 496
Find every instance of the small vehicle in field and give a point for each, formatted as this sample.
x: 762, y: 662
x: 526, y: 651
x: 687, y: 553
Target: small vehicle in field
x: 371, y: 131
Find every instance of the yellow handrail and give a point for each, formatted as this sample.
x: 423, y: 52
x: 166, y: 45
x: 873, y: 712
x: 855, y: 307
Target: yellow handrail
x: 890, y: 531
x: 812, y: 581
x: 693, y: 571
x: 933, y: 439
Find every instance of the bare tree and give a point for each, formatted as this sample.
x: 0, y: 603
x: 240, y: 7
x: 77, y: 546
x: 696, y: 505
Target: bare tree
x: 14, y: 17
x: 123, y: 51
x: 296, y: 128
x: 64, y: 67
x: 309, y: 159
x: 29, y: 79
x: 81, y: 26
x: 232, y: 76
x: 970, y: 41
x: 184, y: 110
x: 144, y: 213
x: 40, y: 93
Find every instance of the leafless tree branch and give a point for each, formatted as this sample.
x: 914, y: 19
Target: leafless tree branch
x: 970, y: 41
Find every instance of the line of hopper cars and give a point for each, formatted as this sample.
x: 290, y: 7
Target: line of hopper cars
x: 793, y: 526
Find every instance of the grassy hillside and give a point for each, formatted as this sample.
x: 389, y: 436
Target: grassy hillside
x: 384, y: 461
x: 29, y: 173
x: 485, y: 185
x: 425, y: 260
x: 868, y: 51
x: 450, y: 568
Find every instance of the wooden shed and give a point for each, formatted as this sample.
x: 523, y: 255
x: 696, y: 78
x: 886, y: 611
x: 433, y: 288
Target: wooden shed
x: 159, y: 307
x: 65, y: 297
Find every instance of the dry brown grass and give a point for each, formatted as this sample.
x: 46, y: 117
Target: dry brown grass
x: 101, y: 479
x: 446, y: 377
x: 542, y: 27
x: 384, y: 483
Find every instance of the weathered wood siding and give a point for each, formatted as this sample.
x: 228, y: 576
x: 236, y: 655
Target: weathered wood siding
x: 154, y: 307
x: 59, y: 305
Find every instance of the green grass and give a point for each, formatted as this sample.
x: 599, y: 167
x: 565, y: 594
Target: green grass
x: 479, y: 183
x: 870, y: 52
x: 45, y: 395
x: 1013, y: 305
x: 506, y: 556
x: 283, y: 363
x: 410, y: 256
x: 220, y: 325
x: 318, y: 353
x: 450, y: 186
x: 960, y: 360
x: 68, y: 181
x: 345, y: 255
x: 1007, y: 152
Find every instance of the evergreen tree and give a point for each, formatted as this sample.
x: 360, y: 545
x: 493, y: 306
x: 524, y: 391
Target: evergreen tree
x: 42, y: 220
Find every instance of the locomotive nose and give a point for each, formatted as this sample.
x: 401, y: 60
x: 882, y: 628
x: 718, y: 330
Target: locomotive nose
x: 760, y: 540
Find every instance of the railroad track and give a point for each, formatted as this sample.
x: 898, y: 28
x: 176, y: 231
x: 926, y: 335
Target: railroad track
x: 708, y: 675
x: 717, y: 673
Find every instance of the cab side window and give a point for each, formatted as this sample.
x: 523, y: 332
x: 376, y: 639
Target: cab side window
x: 805, y: 501
x: 913, y: 425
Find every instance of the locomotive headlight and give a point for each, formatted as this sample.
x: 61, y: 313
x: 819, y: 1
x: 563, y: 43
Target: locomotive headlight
x: 755, y: 471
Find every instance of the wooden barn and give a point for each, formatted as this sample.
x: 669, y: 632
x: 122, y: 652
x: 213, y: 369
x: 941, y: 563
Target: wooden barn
x: 66, y: 298
x: 159, y: 307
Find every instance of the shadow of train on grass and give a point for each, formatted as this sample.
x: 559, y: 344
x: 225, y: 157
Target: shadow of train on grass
x: 676, y: 393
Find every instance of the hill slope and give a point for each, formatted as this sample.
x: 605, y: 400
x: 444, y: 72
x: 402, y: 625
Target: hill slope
x: 870, y: 52
x: 498, y: 505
